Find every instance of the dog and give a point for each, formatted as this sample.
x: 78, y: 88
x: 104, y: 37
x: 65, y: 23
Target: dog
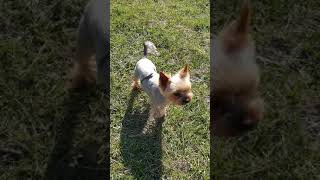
x: 237, y: 107
x: 90, y: 63
x: 162, y: 89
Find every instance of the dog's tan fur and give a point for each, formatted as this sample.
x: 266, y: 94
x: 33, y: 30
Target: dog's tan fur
x: 179, y: 83
x: 235, y: 76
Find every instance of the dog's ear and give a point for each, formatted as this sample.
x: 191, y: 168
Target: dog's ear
x: 235, y: 36
x: 243, y: 23
x: 184, y: 72
x: 164, y: 80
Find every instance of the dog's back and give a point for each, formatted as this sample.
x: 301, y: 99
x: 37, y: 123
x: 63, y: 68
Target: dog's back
x: 144, y: 66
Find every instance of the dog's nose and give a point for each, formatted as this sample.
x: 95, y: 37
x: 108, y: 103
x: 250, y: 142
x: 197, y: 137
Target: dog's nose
x: 186, y: 100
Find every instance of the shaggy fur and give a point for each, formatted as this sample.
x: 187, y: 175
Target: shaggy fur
x: 235, y: 78
x: 161, y: 88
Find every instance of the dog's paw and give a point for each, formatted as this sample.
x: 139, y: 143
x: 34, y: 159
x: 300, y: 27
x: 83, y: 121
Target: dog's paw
x: 135, y: 85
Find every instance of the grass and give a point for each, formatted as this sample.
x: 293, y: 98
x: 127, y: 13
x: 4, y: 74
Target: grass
x: 44, y: 129
x: 179, y: 148
x: 286, y: 143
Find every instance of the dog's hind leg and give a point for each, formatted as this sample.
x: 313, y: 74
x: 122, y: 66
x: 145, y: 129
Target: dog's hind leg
x: 135, y: 81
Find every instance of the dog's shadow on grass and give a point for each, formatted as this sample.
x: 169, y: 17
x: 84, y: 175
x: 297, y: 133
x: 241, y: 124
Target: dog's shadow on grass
x: 61, y: 163
x: 142, y: 153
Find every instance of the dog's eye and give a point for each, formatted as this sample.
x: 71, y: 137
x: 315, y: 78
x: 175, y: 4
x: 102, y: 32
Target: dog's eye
x: 177, y: 94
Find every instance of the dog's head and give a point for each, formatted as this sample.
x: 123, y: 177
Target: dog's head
x: 235, y: 36
x: 177, y: 89
x: 235, y: 78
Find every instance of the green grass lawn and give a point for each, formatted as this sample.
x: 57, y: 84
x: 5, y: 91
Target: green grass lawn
x: 179, y: 148
x: 39, y: 121
x: 286, y: 143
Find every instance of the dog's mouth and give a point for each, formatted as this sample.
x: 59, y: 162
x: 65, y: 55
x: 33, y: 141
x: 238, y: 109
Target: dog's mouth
x: 184, y: 101
x: 179, y: 98
x: 232, y: 120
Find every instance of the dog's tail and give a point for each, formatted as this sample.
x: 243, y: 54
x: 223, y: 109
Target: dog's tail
x: 150, y: 48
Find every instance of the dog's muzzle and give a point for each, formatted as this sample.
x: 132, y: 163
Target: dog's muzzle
x: 186, y: 100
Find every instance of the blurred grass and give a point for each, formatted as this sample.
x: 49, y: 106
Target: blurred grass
x: 180, y: 149
x: 36, y: 48
x: 286, y: 143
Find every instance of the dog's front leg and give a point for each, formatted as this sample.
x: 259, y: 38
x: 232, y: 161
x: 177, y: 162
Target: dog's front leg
x: 156, y: 112
x: 159, y: 111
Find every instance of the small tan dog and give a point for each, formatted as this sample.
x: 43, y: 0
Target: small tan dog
x: 161, y: 88
x: 92, y: 46
x: 235, y: 78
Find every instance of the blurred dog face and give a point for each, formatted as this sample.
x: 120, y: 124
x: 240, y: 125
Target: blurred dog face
x: 235, y: 116
x: 177, y: 89
x: 235, y: 77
